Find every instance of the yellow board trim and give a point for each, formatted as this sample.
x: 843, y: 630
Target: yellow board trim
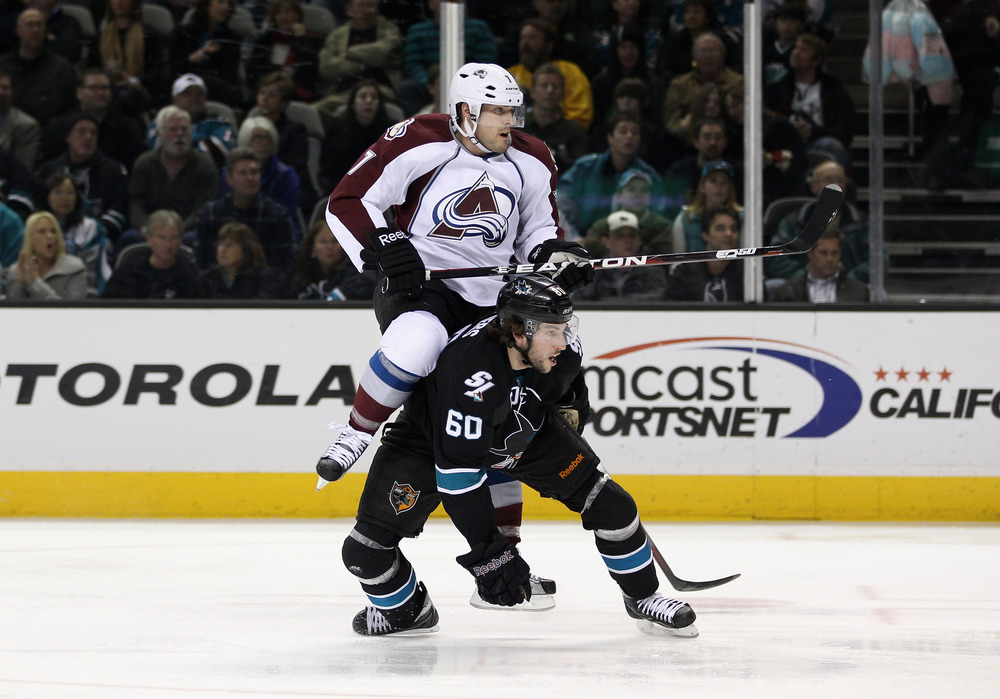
x: 129, y: 494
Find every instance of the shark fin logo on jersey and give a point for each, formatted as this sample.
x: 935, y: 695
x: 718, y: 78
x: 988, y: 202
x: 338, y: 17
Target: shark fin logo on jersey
x: 480, y: 382
x: 397, y: 130
x: 402, y: 497
x: 482, y: 209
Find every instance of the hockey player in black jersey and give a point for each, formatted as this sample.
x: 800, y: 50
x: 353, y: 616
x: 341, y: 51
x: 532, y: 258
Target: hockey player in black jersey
x: 497, y: 400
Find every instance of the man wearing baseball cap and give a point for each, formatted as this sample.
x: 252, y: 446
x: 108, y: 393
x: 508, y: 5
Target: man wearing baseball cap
x: 636, y: 283
x: 209, y: 134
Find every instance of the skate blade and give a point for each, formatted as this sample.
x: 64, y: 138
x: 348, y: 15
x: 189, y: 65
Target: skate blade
x: 416, y: 632
x: 537, y: 603
x: 654, y: 629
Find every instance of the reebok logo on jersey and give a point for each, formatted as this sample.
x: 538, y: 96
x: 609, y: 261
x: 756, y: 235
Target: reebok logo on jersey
x: 483, y: 209
x: 386, y: 238
x: 572, y: 466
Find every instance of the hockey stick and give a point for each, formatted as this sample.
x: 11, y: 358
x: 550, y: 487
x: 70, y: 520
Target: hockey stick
x: 678, y: 583
x: 826, y: 209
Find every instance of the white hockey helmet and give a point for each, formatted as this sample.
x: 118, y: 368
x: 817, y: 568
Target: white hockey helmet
x: 477, y: 84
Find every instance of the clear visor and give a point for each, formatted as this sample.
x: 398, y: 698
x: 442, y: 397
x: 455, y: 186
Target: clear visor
x: 501, y: 115
x: 554, y: 333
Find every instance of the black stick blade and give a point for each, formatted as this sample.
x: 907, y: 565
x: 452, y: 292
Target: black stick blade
x: 827, y: 208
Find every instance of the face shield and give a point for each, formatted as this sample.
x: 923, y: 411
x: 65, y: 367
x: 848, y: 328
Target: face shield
x: 500, y: 116
x: 554, y: 333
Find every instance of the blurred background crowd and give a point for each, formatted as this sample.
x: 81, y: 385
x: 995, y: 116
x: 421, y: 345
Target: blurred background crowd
x: 179, y: 149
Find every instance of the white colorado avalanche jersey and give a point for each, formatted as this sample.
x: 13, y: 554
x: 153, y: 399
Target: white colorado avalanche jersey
x: 461, y: 210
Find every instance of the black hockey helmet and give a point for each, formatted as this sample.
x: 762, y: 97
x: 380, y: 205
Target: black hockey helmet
x: 536, y: 299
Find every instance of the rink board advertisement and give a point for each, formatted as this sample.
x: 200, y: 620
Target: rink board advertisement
x: 705, y: 414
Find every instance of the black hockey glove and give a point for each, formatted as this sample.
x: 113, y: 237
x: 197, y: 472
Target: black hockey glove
x: 574, y: 275
x: 501, y: 574
x: 393, y: 255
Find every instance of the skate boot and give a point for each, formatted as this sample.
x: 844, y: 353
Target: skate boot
x: 542, y: 591
x: 657, y: 614
x: 341, y: 455
x: 416, y: 615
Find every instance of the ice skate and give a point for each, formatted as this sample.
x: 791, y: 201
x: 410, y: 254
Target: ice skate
x: 657, y: 614
x: 417, y: 615
x: 341, y: 455
x: 542, y: 597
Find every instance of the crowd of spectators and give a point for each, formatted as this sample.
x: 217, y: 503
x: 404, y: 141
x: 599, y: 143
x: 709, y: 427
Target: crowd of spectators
x: 171, y: 163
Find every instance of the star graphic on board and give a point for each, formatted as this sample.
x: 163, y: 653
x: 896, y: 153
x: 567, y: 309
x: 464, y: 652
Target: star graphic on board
x: 945, y: 375
x: 880, y: 374
x: 923, y: 373
x: 901, y: 374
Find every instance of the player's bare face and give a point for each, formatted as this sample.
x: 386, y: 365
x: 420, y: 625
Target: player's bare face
x: 493, y: 129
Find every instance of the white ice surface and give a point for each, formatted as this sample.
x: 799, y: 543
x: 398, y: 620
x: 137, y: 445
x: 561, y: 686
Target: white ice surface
x: 262, y: 608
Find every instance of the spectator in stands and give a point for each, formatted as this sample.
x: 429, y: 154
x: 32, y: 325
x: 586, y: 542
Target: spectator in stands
x: 133, y: 56
x: 324, y: 273
x: 823, y: 281
x: 422, y: 49
x: 63, y: 32
x: 785, y: 160
x: 101, y: 181
x: 634, y: 195
x: 728, y: 14
x: 631, y: 96
x: 814, y: 101
x: 820, y: 15
x: 567, y: 22
x: 628, y: 60
x: 275, y: 93
x: 621, y: 238
x: 240, y: 270
x: 206, y: 46
x: 717, y: 187
x: 362, y: 122
x: 779, y: 40
x: 164, y: 272
x: 121, y: 137
x: 710, y: 141
x: 369, y: 46
x: 174, y: 176
x: 18, y: 187
x: 715, y: 281
x: 434, y: 88
x: 44, y: 271
x: 852, y: 224
x: 537, y: 40
x: 210, y: 134
x: 277, y: 180
x: 971, y: 29
x: 44, y: 82
x: 699, y: 17
x: 631, y: 14
x: 245, y: 204
x: 83, y: 235
x: 566, y: 139
x: 586, y: 190
x: 286, y: 45
x: 20, y: 134
x: 11, y: 236
x: 709, y: 56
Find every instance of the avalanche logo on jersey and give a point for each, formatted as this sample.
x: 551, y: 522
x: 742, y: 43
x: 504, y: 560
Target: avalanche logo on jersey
x: 482, y: 209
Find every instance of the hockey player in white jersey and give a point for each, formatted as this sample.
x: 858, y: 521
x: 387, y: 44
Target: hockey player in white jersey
x: 465, y: 189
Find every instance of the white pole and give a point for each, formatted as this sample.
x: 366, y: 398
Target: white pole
x: 452, y: 45
x: 753, y: 152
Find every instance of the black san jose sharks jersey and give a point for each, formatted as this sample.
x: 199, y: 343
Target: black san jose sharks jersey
x: 478, y: 412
